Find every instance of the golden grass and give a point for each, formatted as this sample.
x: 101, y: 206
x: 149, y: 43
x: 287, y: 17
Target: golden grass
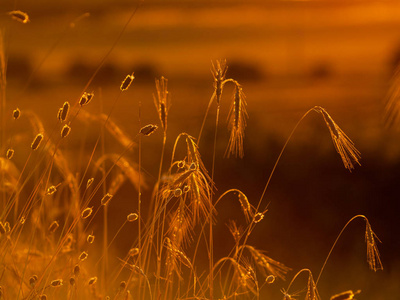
x: 45, y: 246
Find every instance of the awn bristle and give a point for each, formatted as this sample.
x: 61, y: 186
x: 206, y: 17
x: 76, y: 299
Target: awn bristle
x: 36, y: 142
x: 19, y: 16
x: 148, y: 129
x: 343, y: 145
x: 126, y: 82
x: 16, y: 113
x: 237, y: 120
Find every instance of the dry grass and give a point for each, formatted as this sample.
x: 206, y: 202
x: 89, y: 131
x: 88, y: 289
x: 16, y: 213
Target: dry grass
x: 48, y: 246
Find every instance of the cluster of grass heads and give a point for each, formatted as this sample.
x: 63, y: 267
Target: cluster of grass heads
x: 47, y: 246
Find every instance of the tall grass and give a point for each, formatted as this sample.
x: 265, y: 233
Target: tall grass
x: 49, y: 212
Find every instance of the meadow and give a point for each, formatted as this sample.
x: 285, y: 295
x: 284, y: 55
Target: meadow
x: 283, y: 59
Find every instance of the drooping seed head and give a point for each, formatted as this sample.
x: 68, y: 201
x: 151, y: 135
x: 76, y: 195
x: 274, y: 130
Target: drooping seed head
x: 43, y: 297
x: 16, y: 113
x: 132, y: 217
x: 148, y: 129
x: 65, y: 131
x: 126, y: 82
x: 36, y: 142
x: 19, y: 16
x: 53, y: 226
x: 10, y: 153
x: 106, y: 199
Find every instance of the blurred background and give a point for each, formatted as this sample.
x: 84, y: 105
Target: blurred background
x: 289, y: 56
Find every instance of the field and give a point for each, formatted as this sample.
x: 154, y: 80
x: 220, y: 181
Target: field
x: 288, y: 57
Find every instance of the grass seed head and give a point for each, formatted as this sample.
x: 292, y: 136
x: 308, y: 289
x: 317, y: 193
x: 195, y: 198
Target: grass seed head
x: 65, y: 131
x: 132, y: 217
x: 10, y: 153
x: 43, y: 297
x: 89, y: 182
x: 53, y: 226
x: 126, y: 82
x: 36, y: 142
x: 57, y: 283
x: 122, y: 285
x: 83, y: 256
x: 148, y: 129
x: 258, y: 217
x: 19, y: 16
x: 77, y: 270
x: 72, y: 281
x: 16, y: 113
x: 7, y: 227
x: 270, y: 279
x: 86, y: 212
x: 64, y: 111
x: 33, y: 280
x: 342, y: 143
x: 92, y: 280
x: 51, y: 190
x: 373, y: 257
x: 86, y: 98
x: 106, y: 199
x: 90, y: 239
x: 133, y: 251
